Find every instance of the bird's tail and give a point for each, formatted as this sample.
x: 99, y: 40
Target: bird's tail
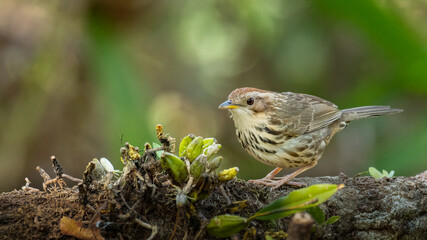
x: 351, y: 114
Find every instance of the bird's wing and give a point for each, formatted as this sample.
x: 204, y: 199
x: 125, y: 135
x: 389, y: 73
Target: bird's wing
x: 303, y: 113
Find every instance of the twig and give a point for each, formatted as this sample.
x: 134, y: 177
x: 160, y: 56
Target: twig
x: 202, y: 228
x: 300, y: 227
x: 130, y: 208
x: 27, y: 186
x: 59, y: 171
x: 146, y: 225
x: 224, y: 194
x: 72, y: 178
x: 149, y: 184
x: 152, y: 150
x: 43, y: 174
x: 143, y: 224
x: 176, y: 224
x: 57, y: 168
x: 187, y: 187
x: 56, y: 180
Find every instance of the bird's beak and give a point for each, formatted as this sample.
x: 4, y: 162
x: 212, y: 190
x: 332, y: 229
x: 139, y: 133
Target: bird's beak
x: 228, y: 105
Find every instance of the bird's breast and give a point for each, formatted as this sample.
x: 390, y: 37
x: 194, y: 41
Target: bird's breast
x: 275, y: 148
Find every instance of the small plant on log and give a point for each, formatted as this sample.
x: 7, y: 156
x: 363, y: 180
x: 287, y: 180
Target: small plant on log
x: 377, y: 174
x: 297, y: 201
x: 190, y: 178
x: 161, y: 185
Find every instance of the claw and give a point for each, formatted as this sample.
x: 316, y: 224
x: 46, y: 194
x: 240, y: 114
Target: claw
x: 275, y: 183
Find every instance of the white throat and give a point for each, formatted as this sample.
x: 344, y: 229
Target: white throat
x: 243, y: 118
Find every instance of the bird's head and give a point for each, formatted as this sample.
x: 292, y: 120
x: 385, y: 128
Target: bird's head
x: 248, y: 102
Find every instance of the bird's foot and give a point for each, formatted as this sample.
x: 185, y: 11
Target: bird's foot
x: 276, y: 183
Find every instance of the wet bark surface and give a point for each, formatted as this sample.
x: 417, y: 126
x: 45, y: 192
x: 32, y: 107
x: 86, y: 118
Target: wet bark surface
x: 394, y: 208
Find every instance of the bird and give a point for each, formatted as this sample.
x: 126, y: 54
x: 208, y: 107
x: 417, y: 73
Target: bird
x: 289, y: 130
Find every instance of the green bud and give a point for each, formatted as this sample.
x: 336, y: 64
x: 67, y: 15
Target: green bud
x: 184, y: 144
x: 214, y: 163
x: 228, y: 174
x: 174, y: 166
x: 226, y: 225
x: 208, y: 141
x: 198, y: 166
x: 211, y: 150
x: 194, y: 149
x: 181, y: 199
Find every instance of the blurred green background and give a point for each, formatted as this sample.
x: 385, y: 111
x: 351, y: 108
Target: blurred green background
x: 79, y: 78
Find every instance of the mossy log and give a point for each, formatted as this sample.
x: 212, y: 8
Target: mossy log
x: 390, y: 208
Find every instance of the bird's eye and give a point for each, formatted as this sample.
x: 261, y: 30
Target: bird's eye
x: 250, y: 101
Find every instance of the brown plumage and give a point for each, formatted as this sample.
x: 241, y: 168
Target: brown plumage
x: 288, y: 129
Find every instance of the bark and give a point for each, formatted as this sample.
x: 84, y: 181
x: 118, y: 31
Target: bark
x: 394, y: 208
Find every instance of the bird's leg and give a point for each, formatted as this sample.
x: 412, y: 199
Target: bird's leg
x: 267, y: 178
x: 286, y: 179
x: 273, y: 173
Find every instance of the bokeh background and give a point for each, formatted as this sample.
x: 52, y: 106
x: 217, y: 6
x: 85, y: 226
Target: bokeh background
x: 79, y: 78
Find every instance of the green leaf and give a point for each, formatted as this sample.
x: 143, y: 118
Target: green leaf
x: 158, y: 153
x: 385, y: 173
x: 175, y: 167
x: 226, y: 225
x: 184, y: 144
x: 207, y: 142
x: 297, y: 201
x: 375, y: 173
x: 194, y: 148
x: 268, y: 237
x: 331, y: 220
x: 391, y: 174
x: 317, y: 214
